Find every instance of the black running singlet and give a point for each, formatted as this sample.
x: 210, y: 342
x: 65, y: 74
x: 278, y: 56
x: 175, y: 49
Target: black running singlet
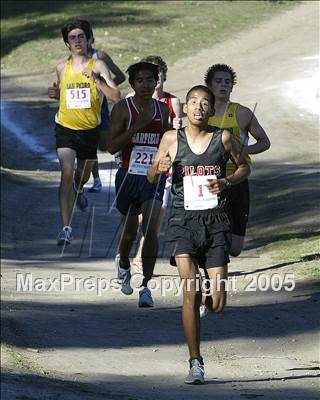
x: 211, y: 162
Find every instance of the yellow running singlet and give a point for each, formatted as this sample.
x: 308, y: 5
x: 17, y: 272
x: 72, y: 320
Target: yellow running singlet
x: 80, y: 99
x: 229, y: 121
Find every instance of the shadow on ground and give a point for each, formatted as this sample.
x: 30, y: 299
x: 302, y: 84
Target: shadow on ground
x: 303, y: 259
x: 145, y: 387
x: 43, y: 324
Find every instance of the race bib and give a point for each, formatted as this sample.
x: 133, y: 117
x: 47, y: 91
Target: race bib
x: 141, y: 159
x: 78, y: 98
x: 196, y: 194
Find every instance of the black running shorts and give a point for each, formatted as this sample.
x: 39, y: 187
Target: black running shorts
x: 84, y: 143
x: 237, y: 206
x: 204, y: 235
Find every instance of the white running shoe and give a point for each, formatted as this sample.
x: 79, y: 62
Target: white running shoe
x: 124, y: 277
x: 65, y: 236
x: 203, y: 310
x: 145, y: 298
x: 196, y: 373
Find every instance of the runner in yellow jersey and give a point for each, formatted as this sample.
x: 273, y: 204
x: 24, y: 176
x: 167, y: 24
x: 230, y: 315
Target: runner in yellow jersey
x: 82, y: 82
x: 240, y: 121
x: 118, y: 77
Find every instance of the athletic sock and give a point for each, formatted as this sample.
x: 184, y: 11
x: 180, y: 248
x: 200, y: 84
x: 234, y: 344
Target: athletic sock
x: 200, y: 359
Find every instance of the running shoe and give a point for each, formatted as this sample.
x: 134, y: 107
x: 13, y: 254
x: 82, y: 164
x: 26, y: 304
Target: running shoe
x: 203, y: 310
x: 196, y: 373
x: 96, y: 187
x: 82, y: 201
x: 124, y: 277
x: 65, y: 236
x: 145, y: 298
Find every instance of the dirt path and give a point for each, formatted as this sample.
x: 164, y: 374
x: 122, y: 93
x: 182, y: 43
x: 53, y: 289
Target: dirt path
x: 267, y: 59
x: 77, y: 345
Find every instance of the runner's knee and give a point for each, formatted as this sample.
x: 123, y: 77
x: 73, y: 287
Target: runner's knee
x: 67, y: 174
x: 235, y: 252
x: 190, y: 296
x: 236, y: 245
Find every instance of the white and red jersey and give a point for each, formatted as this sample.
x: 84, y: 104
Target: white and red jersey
x: 138, y: 155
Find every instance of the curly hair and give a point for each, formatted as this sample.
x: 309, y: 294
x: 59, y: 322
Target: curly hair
x: 157, y: 60
x: 219, y: 68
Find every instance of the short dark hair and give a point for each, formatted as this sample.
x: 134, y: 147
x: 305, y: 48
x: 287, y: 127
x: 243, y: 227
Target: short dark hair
x: 217, y: 68
x: 205, y: 89
x: 157, y: 60
x: 77, y: 24
x: 140, y: 66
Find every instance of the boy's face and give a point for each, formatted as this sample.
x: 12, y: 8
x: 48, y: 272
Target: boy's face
x: 198, y: 107
x: 77, y: 41
x: 221, y: 84
x: 144, y: 84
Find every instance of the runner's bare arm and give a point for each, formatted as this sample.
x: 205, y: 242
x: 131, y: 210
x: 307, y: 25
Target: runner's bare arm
x: 217, y: 186
x: 234, y: 149
x: 109, y: 88
x: 119, y: 135
x: 54, y: 90
x: 106, y: 85
x: 119, y: 76
x: 176, y: 105
x: 249, y: 122
x: 166, y: 153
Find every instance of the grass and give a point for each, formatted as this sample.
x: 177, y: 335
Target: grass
x: 127, y: 30
x: 300, y: 256
x: 13, y: 358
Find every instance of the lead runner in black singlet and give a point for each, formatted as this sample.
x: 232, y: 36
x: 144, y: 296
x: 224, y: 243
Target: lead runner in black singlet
x: 199, y: 225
